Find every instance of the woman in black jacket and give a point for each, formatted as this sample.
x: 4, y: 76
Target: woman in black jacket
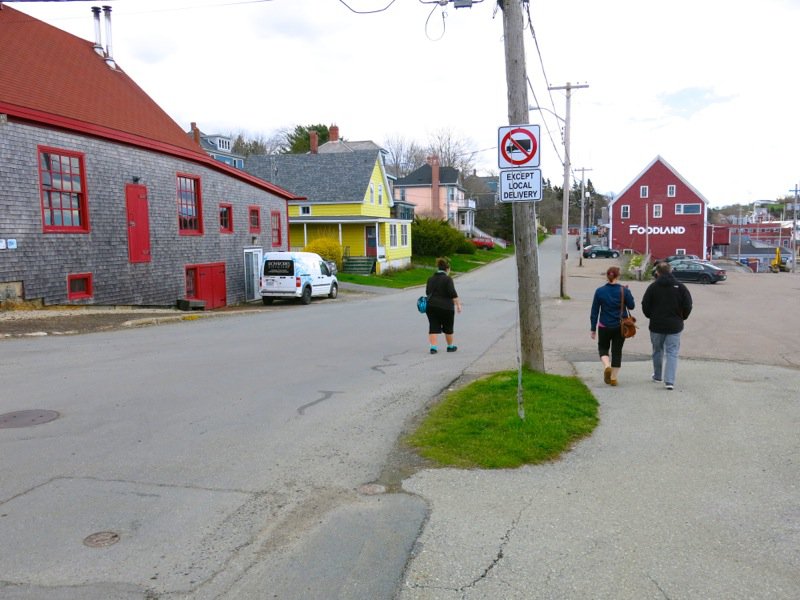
x: 667, y: 303
x: 443, y: 303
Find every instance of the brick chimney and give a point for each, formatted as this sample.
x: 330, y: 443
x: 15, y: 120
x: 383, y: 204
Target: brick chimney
x: 195, y: 133
x: 333, y: 133
x: 313, y: 139
x: 436, y: 209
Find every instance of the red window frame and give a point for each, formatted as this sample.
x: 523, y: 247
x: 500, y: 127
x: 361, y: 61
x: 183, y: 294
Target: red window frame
x: 62, y: 190
x: 254, y: 218
x: 190, y: 205
x: 275, y: 217
x: 226, y: 218
x: 79, y: 286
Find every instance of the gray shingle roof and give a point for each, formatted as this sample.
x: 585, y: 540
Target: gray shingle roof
x: 334, y: 177
x: 424, y: 176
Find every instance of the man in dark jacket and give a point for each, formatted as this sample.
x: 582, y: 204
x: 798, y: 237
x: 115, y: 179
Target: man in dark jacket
x: 667, y: 303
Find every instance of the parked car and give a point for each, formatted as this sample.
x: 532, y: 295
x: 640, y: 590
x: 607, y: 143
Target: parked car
x: 594, y: 251
x: 669, y: 259
x: 483, y: 242
x: 301, y: 275
x: 696, y: 270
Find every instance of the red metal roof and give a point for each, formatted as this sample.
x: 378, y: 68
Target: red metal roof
x: 52, y: 77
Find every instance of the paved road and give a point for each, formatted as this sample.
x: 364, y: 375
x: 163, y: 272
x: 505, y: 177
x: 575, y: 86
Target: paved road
x: 684, y: 494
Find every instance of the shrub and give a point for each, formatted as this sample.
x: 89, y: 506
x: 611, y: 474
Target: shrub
x: 466, y: 246
x: 328, y: 249
x: 434, y: 237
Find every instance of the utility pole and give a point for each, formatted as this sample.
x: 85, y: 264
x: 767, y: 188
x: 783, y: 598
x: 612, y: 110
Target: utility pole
x: 582, y: 231
x: 565, y: 208
x: 524, y: 213
x: 796, y: 190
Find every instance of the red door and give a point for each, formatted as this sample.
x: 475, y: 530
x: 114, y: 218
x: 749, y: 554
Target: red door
x: 138, y: 223
x: 211, y: 286
x: 371, y: 239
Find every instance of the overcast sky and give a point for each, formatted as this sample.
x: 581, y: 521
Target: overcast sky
x: 710, y: 85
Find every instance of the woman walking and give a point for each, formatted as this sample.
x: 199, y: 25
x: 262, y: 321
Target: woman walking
x: 610, y: 300
x: 443, y: 303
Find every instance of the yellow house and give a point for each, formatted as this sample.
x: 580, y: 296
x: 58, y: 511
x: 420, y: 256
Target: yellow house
x: 346, y: 196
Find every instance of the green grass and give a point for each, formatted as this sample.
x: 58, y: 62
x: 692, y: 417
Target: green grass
x: 478, y: 425
x: 424, y: 266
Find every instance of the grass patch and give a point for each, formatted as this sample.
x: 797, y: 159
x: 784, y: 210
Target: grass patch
x: 478, y: 425
x: 424, y: 266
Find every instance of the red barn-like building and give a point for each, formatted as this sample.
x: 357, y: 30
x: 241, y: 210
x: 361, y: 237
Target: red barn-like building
x: 659, y: 213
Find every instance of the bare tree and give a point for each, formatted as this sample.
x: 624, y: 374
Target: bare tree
x: 404, y: 155
x: 452, y: 151
x: 245, y: 143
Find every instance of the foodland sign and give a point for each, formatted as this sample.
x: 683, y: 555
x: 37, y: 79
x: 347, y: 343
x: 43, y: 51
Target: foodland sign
x: 656, y: 230
x: 520, y: 185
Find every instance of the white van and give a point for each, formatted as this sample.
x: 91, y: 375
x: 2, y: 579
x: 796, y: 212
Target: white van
x: 300, y: 275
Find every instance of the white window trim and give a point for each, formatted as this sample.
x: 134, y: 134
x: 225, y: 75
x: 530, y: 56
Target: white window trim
x: 380, y: 194
x: 625, y: 211
x: 658, y: 211
x: 372, y: 193
x: 393, y: 235
x: 672, y: 190
x: 679, y: 208
x: 404, y: 235
x: 305, y: 210
x: 644, y: 191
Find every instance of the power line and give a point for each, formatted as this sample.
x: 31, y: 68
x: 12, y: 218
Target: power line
x: 367, y: 12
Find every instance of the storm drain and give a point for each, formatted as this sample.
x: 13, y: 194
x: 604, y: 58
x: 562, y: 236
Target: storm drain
x: 101, y: 539
x: 27, y: 418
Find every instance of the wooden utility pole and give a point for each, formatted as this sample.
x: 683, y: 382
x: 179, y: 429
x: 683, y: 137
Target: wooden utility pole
x: 582, y: 232
x: 565, y: 202
x: 524, y: 213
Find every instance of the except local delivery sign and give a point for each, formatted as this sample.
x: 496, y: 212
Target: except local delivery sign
x: 520, y: 185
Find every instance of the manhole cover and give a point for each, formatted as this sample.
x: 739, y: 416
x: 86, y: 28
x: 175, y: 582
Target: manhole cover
x: 101, y: 539
x: 27, y: 418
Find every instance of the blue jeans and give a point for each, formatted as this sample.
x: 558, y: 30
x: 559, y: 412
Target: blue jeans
x: 665, y: 355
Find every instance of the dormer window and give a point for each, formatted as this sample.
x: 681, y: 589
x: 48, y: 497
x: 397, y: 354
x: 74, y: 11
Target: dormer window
x: 223, y: 144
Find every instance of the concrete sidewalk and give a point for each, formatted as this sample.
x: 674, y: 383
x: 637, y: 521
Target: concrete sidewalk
x: 683, y: 494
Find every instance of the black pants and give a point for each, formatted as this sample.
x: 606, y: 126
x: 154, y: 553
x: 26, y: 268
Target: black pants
x: 610, y: 337
x: 440, y: 320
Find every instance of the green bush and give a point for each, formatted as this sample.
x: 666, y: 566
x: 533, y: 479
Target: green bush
x: 327, y: 248
x: 434, y: 237
x: 466, y: 247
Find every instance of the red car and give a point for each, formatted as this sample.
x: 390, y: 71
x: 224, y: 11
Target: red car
x: 483, y: 242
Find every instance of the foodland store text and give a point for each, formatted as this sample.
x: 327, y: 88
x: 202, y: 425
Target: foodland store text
x: 677, y: 229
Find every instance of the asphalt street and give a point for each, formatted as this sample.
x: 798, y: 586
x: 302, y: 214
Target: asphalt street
x: 684, y: 494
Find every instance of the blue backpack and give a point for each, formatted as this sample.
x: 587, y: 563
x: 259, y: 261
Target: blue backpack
x: 422, y: 304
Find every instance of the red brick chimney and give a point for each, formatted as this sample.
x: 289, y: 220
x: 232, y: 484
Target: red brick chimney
x: 333, y: 133
x: 313, y: 139
x: 436, y: 209
x: 195, y: 133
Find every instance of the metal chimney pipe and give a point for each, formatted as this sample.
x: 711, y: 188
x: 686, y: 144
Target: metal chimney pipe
x: 109, y: 54
x: 98, y: 42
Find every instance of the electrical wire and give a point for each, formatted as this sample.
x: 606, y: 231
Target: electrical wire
x: 367, y: 12
x: 546, y: 126
x: 427, y: 21
x: 539, y: 53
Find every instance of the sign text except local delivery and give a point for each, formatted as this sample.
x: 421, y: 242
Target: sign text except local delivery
x: 520, y: 185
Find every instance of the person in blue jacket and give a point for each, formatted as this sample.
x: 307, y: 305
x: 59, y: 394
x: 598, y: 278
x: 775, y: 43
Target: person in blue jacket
x: 607, y: 307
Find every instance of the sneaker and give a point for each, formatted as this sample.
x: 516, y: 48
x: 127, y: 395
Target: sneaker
x: 653, y: 377
x: 607, y: 375
x: 452, y: 348
x: 613, y: 382
x: 669, y: 386
x: 433, y: 350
